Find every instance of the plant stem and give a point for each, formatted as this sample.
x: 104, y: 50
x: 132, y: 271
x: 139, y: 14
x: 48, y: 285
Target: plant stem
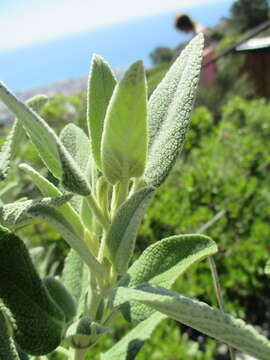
x: 119, y: 196
x: 218, y: 294
x: 77, y: 354
x: 93, y: 298
x: 98, y: 212
x: 138, y: 183
x: 102, y: 248
x: 214, y: 272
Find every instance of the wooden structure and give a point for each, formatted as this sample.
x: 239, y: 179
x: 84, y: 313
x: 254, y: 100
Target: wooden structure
x: 257, y: 63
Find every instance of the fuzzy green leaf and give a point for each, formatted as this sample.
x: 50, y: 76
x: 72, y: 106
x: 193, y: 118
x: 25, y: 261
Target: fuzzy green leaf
x: 86, y: 214
x: 267, y: 268
x: 124, y: 139
x: 7, y: 346
x: 37, y: 102
x: 16, y: 214
x: 124, y: 228
x: 169, y: 111
x: 47, y: 143
x: 56, y: 219
x: 40, y: 133
x: 15, y: 135
x: 200, y: 316
x: 129, y: 346
x: 61, y: 297
x: 101, y: 84
x: 76, y: 278
x: 77, y: 144
x: 162, y: 263
x: 7, y: 148
x: 49, y: 189
x: 73, y: 273
x: 72, y: 178
x: 39, y: 322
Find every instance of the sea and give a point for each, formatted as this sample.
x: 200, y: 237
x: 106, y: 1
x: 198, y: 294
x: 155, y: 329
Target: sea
x: 120, y: 44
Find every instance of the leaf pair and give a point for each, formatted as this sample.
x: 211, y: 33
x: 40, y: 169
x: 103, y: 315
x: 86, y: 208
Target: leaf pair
x: 84, y: 332
x: 161, y: 264
x: 117, y: 117
x: 117, y: 121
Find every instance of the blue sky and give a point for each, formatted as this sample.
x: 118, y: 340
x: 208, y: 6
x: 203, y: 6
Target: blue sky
x: 26, y: 22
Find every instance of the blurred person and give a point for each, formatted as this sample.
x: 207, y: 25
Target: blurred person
x: 185, y: 24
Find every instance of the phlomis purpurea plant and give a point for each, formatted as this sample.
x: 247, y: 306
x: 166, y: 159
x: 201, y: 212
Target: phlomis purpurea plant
x: 106, y: 179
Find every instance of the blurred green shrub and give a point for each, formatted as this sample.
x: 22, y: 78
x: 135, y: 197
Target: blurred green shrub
x: 162, y: 54
x: 224, y: 168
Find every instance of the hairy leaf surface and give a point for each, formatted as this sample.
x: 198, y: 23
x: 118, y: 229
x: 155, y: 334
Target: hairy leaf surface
x: 7, y: 346
x: 49, y: 189
x: 56, y: 219
x: 15, y: 136
x: 72, y: 273
x: 101, y: 84
x: 72, y: 178
x: 124, y: 228
x: 200, y: 316
x: 40, y: 133
x: 129, y: 346
x: 77, y: 144
x: 76, y: 278
x: 162, y: 263
x: 16, y: 214
x: 124, y: 139
x: 39, y: 321
x: 61, y: 297
x: 49, y: 146
x: 169, y: 111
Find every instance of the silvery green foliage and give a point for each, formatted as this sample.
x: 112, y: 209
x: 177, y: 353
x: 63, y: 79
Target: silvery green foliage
x: 123, y: 231
x: 17, y: 213
x: 39, y: 321
x: 130, y: 345
x: 100, y: 89
x: 61, y: 297
x: 169, y: 111
x: 123, y: 157
x: 161, y: 264
x: 200, y: 316
x: 10, y: 146
x: 106, y: 181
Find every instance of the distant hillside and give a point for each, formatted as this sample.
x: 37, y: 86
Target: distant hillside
x: 68, y: 88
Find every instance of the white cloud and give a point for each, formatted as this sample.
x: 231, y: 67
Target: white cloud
x: 46, y: 20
